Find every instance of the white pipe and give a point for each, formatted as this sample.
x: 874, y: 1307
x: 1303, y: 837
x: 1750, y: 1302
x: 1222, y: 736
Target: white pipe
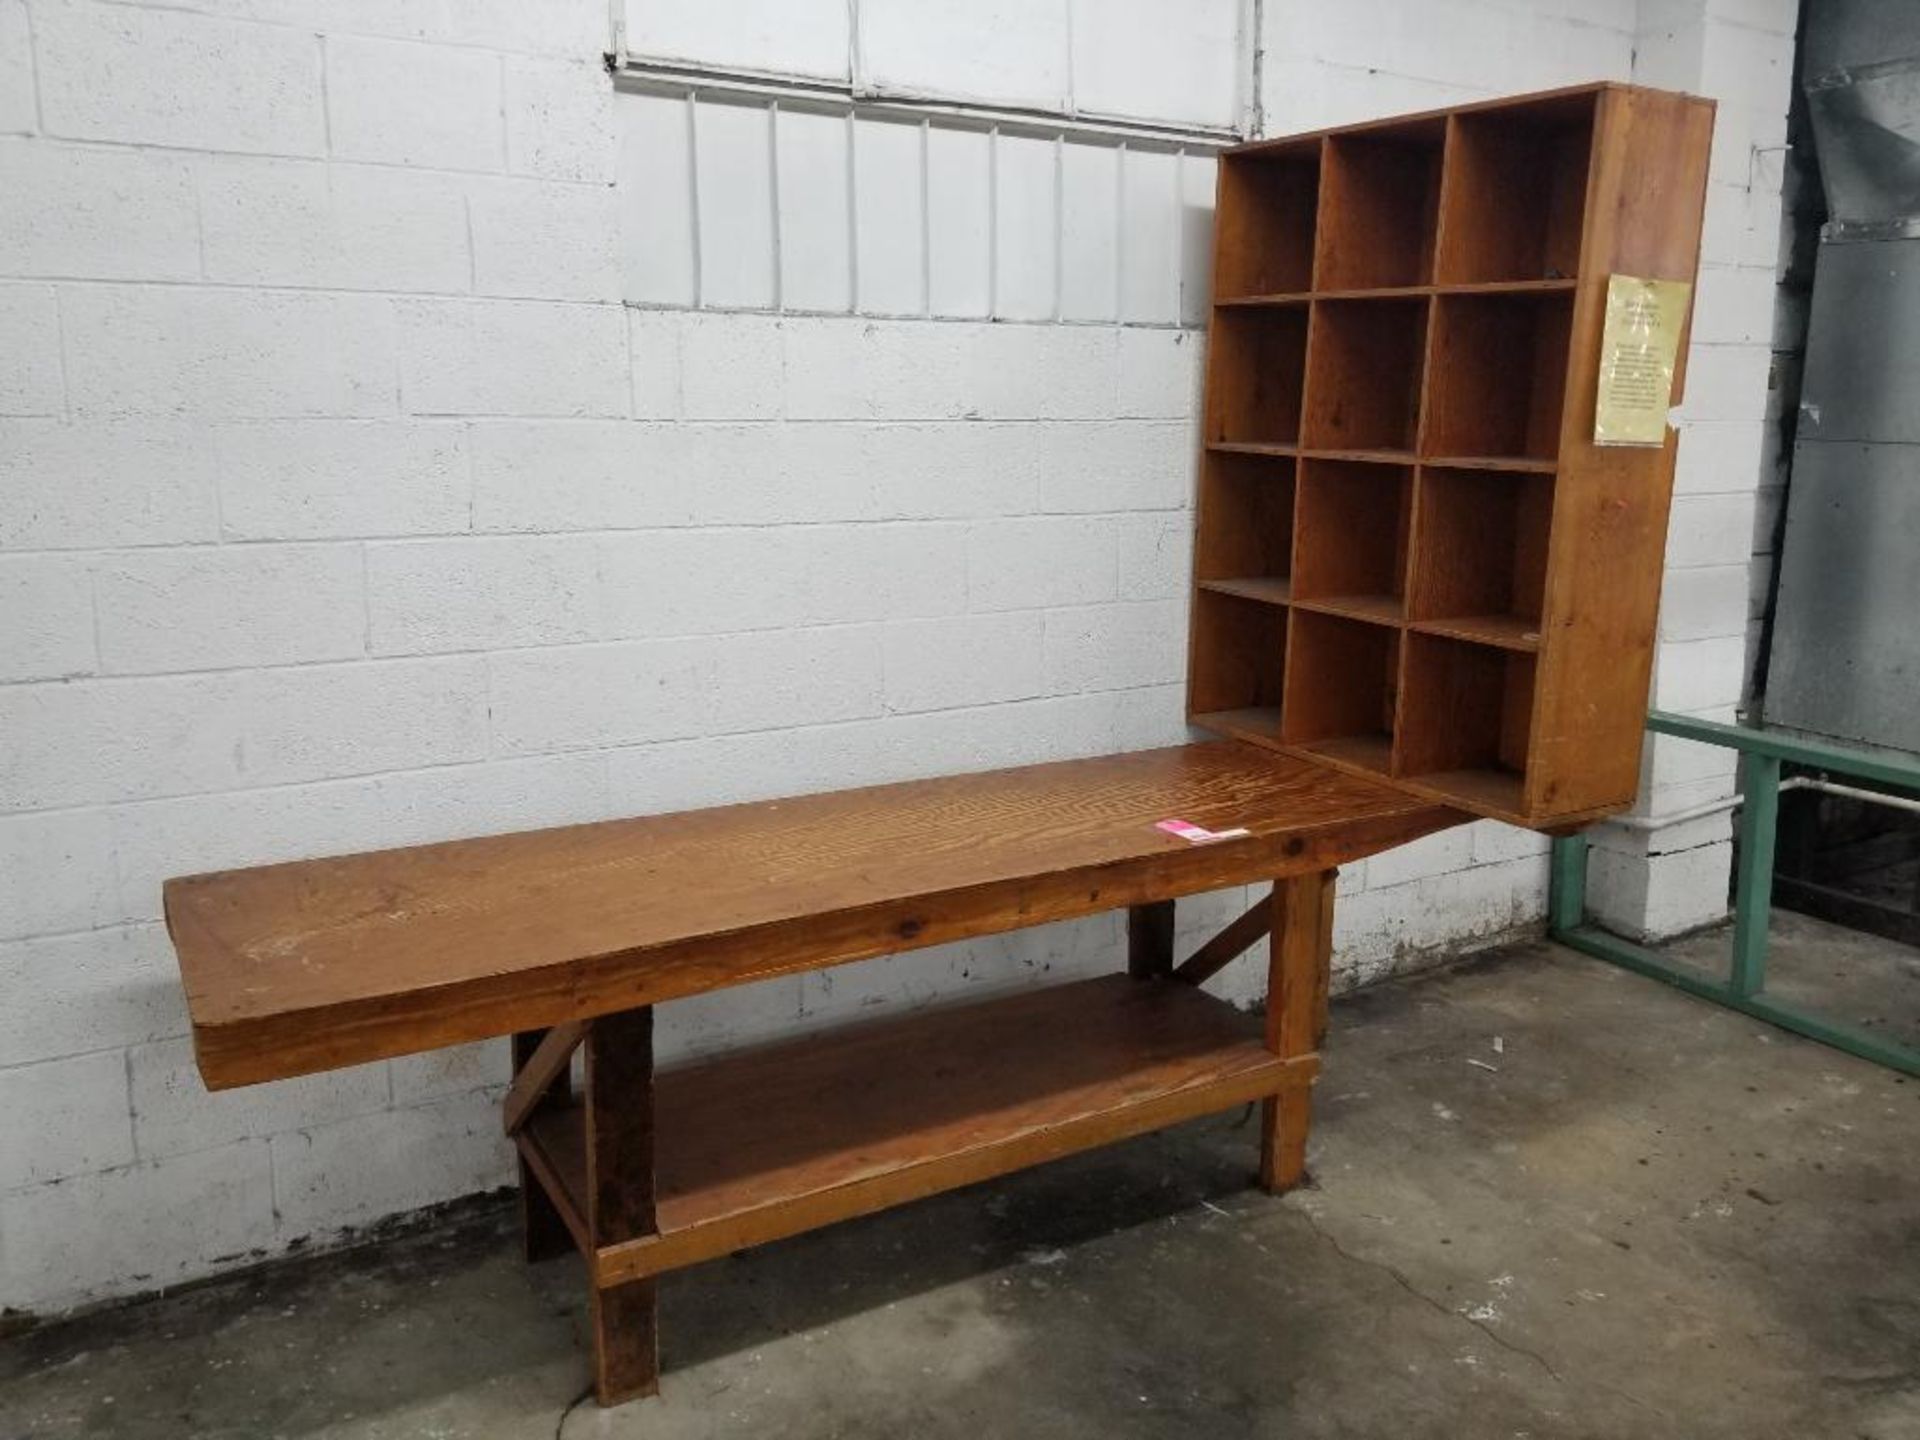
x: 1646, y: 823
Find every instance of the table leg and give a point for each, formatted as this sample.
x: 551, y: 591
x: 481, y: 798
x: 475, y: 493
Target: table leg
x: 619, y: 1143
x: 543, y: 1234
x: 1299, y: 961
x: 1150, y: 940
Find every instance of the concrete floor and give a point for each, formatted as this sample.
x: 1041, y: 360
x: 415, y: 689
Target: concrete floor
x: 1637, y: 1216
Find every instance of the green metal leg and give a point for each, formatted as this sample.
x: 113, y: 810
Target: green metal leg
x: 1753, y: 883
x: 1567, y: 897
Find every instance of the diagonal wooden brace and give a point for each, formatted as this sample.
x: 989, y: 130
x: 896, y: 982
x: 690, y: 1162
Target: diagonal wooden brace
x: 547, y: 1064
x: 1231, y: 943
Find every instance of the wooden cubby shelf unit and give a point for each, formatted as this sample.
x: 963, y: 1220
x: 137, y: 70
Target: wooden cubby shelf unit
x: 1410, y: 558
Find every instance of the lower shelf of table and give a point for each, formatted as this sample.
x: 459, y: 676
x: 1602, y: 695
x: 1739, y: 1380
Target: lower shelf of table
x: 776, y: 1140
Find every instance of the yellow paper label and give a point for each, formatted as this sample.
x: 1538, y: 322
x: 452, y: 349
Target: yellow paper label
x: 1639, y: 344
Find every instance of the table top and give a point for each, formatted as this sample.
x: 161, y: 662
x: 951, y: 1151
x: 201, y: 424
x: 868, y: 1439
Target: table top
x: 315, y: 964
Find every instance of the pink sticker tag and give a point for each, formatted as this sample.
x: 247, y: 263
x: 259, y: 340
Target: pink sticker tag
x: 1197, y: 834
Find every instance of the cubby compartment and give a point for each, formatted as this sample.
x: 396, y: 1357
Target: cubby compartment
x: 1256, y: 367
x: 1497, y: 377
x: 1481, y: 570
x: 1353, y: 519
x: 1466, y: 720
x: 1342, y: 689
x: 1245, y: 544
x: 1363, y: 382
x: 1515, y: 192
x: 1379, y: 196
x: 1264, y: 224
x: 1237, y: 665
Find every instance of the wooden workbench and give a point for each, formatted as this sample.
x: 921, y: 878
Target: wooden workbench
x: 567, y: 938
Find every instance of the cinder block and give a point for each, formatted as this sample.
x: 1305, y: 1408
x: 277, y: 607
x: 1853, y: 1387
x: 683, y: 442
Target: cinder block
x: 175, y: 1114
x: 880, y: 572
x: 1700, y: 674
x: 92, y: 990
x: 481, y: 593
x: 512, y: 357
x: 1042, y: 560
x: 1728, y: 382
x: 1042, y: 372
x: 135, y: 350
x: 964, y: 660
x: 56, y: 873
x: 1710, y: 530
x: 19, y: 105
x: 1422, y: 859
x: 661, y: 583
x: 961, y: 469
x: 760, y: 474
x: 228, y: 606
x: 1653, y: 898
x: 730, y: 367
x: 138, y: 1228
x: 354, y: 227
x: 1159, y: 373
x: 339, y: 479
x: 98, y: 741
x: 580, y: 475
x: 48, y: 602
x: 856, y: 369
x: 407, y: 104
x: 1156, y: 556
x: 544, y: 239
x: 588, y: 696
x: 1494, y: 842
x: 1719, y: 457
x: 1129, y: 465
x: 1113, y: 647
x: 62, y: 1118
x: 795, y: 677
x: 87, y: 485
x: 78, y: 211
x: 560, y: 118
x: 1388, y: 931
x: 1704, y: 603
x: 723, y: 1019
x: 653, y: 350
x: 1668, y: 761
x: 1733, y: 305
x: 172, y: 77
x: 347, y: 1173
x: 458, y: 1070
x: 1149, y: 717
x: 30, y: 373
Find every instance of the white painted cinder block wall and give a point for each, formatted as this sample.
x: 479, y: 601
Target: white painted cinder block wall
x: 344, y: 504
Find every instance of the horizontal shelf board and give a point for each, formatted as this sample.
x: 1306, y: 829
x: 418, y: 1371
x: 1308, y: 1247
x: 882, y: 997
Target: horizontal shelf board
x: 1254, y: 722
x: 1497, y: 790
x: 1368, y: 752
x: 1402, y: 292
x: 1269, y: 590
x: 1519, y: 464
x: 1284, y: 449
x: 1509, y: 632
x: 786, y: 1137
x: 1374, y: 609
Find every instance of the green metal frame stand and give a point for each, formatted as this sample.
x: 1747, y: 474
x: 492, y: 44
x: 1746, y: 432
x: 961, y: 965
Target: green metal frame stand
x: 1744, y: 989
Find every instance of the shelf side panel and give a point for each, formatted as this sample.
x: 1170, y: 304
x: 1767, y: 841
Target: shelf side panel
x: 1608, y: 542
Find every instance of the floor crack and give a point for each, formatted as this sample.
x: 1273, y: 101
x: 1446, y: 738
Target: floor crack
x: 1438, y: 1306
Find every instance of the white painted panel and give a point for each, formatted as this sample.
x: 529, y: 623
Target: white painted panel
x: 1089, y: 231
x: 1199, y: 175
x: 959, y: 210
x: 1173, y: 60
x: 816, y: 215
x: 888, y: 210
x: 796, y: 37
x: 1007, y: 51
x: 656, y: 200
x: 733, y: 147
x: 1150, y: 237
x: 1025, y: 233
